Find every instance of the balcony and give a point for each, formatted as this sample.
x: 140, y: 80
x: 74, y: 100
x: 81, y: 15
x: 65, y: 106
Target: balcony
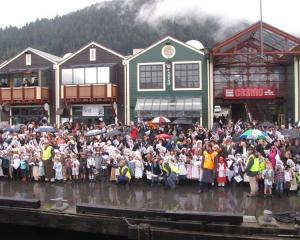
x: 24, y: 95
x: 89, y: 93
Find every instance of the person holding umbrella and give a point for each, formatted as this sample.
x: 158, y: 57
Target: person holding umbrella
x: 252, y: 170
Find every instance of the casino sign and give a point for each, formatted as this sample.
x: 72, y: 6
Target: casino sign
x: 250, y: 93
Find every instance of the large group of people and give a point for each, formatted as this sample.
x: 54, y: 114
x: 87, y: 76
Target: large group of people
x: 154, y: 154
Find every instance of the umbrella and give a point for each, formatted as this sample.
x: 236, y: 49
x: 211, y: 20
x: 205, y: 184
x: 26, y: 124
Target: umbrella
x: 18, y: 127
x: 46, y: 129
x: 8, y: 129
x: 113, y: 133
x: 183, y: 121
x: 253, y: 134
x: 289, y: 133
x: 160, y: 120
x: 164, y: 136
x: 266, y: 125
x: 94, y: 132
x: 297, y: 124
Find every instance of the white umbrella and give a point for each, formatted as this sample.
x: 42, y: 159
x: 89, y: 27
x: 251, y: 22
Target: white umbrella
x: 160, y: 120
x: 94, y: 132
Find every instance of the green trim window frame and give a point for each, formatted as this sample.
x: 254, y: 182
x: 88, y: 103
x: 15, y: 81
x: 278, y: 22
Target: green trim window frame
x: 151, y: 76
x: 88, y: 75
x: 187, y: 75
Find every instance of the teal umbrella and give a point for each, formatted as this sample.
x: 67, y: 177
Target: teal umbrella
x: 254, y: 134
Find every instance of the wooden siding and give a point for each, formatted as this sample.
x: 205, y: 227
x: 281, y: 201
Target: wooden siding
x: 182, y: 54
x: 116, y: 73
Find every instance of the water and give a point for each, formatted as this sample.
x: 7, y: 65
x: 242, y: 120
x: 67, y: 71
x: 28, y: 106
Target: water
x: 232, y: 199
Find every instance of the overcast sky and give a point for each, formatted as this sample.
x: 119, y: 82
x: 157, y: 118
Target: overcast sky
x: 283, y: 14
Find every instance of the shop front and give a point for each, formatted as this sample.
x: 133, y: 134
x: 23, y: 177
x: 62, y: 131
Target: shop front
x: 90, y: 114
x: 26, y: 114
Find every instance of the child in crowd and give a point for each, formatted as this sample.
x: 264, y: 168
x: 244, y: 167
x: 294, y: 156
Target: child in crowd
x: 16, y: 167
x: 23, y: 168
x: 58, y: 169
x: 68, y: 166
x: 268, y: 176
x: 91, y: 166
x: 221, y: 177
x: 287, y: 180
x: 75, y: 167
x: 279, y: 177
x: 41, y: 170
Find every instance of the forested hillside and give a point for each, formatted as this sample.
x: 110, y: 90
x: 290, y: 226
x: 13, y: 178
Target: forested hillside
x: 115, y: 24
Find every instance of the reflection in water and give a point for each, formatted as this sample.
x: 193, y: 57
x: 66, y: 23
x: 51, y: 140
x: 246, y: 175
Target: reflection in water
x: 232, y: 199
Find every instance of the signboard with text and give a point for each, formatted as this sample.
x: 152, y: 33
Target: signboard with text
x: 92, y: 111
x: 250, y: 93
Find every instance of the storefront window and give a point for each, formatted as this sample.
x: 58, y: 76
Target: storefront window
x: 187, y: 75
x: 151, y: 76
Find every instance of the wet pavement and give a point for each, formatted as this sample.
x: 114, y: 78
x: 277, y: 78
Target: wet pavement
x: 232, y: 199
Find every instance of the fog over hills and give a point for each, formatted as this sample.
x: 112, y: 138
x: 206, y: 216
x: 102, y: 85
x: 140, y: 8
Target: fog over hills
x: 118, y: 24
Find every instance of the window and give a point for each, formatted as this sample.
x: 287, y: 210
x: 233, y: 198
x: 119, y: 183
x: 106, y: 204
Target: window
x: 187, y: 75
x: 28, y: 59
x: 103, y: 75
x: 78, y: 77
x: 151, y: 77
x: 67, y: 76
x: 91, y: 75
x: 92, y: 54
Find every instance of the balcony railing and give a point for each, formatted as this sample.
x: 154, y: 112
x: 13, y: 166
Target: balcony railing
x: 24, y: 95
x: 89, y: 93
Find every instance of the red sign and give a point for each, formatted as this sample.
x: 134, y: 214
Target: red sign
x: 250, y: 93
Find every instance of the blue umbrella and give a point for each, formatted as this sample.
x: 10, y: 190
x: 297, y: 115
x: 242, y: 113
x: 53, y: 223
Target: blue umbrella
x: 8, y: 129
x: 46, y: 129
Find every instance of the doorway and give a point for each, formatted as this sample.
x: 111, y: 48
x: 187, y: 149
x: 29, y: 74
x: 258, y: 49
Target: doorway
x: 237, y: 111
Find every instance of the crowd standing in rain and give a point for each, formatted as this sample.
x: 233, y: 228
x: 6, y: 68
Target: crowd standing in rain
x: 264, y: 155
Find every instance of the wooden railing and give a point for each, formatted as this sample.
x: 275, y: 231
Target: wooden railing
x: 24, y: 95
x: 89, y: 92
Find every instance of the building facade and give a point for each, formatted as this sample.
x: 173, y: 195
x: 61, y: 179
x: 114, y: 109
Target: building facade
x: 255, y: 74
x: 171, y: 79
x: 90, y: 85
x: 27, y: 90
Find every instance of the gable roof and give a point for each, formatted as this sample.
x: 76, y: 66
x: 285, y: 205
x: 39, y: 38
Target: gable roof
x: 51, y: 58
x: 162, y: 40
x: 87, y: 46
x: 272, y: 36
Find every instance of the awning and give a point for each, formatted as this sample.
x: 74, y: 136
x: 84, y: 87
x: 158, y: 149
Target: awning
x: 169, y: 107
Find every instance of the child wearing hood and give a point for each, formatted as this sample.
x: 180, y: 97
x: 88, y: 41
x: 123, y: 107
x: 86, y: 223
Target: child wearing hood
x: 221, y: 170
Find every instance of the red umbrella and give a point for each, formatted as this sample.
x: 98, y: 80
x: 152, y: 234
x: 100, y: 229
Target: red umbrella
x: 164, y: 136
x: 160, y: 120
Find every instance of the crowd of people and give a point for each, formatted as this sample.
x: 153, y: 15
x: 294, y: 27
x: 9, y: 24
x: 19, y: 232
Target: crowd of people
x: 155, y: 154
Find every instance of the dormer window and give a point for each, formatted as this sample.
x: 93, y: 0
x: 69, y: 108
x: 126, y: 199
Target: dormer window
x: 92, y: 54
x: 28, y: 59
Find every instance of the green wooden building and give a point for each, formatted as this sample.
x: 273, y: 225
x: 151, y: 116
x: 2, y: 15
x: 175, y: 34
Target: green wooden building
x: 170, y: 78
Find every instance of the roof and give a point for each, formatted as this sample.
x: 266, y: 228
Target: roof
x: 162, y: 40
x: 274, y: 40
x: 51, y: 58
x: 88, y: 45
